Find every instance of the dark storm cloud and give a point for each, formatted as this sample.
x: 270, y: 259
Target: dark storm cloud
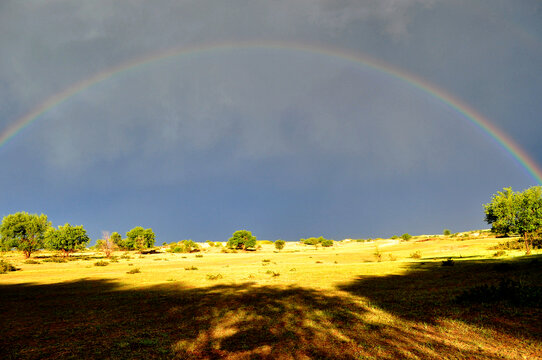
x: 272, y: 119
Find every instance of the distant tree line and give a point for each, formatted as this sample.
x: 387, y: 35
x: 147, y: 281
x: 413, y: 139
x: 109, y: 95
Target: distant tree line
x: 31, y: 232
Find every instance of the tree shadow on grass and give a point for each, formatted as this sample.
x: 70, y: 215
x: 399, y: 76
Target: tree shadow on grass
x: 431, y: 293
x: 91, y: 319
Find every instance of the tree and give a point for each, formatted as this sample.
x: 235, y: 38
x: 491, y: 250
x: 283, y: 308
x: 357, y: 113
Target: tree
x: 66, y: 238
x: 406, y: 236
x: 516, y: 212
x: 279, y: 244
x: 446, y: 232
x: 24, y: 231
x: 139, y: 238
x: 117, y: 239
x: 242, y: 239
x: 107, y: 245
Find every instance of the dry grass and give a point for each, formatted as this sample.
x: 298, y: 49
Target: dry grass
x: 334, y: 303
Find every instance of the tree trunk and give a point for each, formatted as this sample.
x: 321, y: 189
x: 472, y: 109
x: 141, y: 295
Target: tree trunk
x: 26, y: 254
x: 526, y: 239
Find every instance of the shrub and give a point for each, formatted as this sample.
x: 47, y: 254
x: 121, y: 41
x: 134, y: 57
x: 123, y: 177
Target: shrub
x: 6, y: 266
x: 272, y: 273
x: 214, y: 277
x: 279, y: 244
x: 508, y: 245
x: 133, y: 271
x: 446, y: 232
x: 184, y: 246
x: 32, y: 261
x: 416, y: 255
x: 199, y: 256
x: 378, y: 255
x: 406, y: 236
x: 392, y: 258
x: 211, y: 244
x: 394, y: 237
x: 448, y: 262
x: 499, y: 253
x: 327, y: 243
x: 191, y: 268
x: 101, y: 263
x: 55, y: 259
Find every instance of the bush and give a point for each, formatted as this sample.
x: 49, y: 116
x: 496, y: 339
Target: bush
x: 395, y: 237
x: 214, y: 277
x: 448, y: 262
x: 191, y: 268
x: 406, y: 236
x: 32, y: 261
x: 133, y: 271
x: 279, y: 244
x: 55, y: 259
x: 499, y: 253
x: 101, y: 263
x: 184, y: 246
x: 327, y: 243
x: 508, y: 245
x: 416, y: 255
x: 392, y: 258
x: 5, y: 267
x: 446, y: 232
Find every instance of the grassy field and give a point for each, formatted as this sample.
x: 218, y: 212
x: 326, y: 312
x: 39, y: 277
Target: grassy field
x: 300, y: 303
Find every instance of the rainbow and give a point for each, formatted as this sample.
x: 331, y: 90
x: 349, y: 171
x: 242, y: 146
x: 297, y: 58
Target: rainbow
x: 465, y: 110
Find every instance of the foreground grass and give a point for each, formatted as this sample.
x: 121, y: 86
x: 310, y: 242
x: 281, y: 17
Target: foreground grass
x: 338, y: 303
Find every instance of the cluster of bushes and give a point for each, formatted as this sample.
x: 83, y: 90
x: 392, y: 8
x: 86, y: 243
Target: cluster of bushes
x: 317, y: 241
x: 184, y: 246
x: 6, y: 266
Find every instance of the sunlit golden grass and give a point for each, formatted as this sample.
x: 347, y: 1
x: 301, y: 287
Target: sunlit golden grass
x: 301, y: 302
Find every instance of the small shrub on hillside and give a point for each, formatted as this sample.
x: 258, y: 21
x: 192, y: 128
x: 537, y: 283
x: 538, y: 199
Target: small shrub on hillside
x: 55, y: 259
x: 446, y: 232
x: 327, y: 243
x: 214, y: 277
x: 508, y: 245
x: 199, y: 256
x: 378, y: 255
x: 210, y: 243
x: 133, y: 271
x: 266, y: 260
x: 448, y: 262
x: 191, y: 268
x: 184, y: 246
x: 279, y: 244
x: 406, y: 236
x: 416, y: 255
x: 32, y: 261
x: 395, y: 237
x: 499, y: 253
x: 101, y: 263
x: 391, y: 257
x: 6, y: 266
x: 272, y: 273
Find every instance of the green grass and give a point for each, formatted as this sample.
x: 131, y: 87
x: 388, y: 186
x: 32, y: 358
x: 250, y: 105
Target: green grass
x: 338, y: 304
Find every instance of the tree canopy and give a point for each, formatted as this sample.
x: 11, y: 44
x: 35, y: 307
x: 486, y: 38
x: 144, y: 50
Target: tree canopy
x: 242, y: 239
x: 24, y: 231
x: 519, y: 213
x: 66, y: 238
x: 139, y: 238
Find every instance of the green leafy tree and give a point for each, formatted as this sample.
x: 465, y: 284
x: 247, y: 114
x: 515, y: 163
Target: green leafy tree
x: 279, y: 244
x: 406, y: 236
x: 327, y: 243
x: 242, y: 239
x: 117, y: 239
x: 24, y: 231
x: 516, y: 212
x: 139, y: 238
x: 66, y: 238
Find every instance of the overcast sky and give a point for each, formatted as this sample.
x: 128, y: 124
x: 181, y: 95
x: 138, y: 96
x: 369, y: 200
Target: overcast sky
x: 285, y: 142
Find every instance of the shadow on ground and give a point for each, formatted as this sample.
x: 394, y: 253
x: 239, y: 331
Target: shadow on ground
x: 469, y: 291
x: 91, y: 319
